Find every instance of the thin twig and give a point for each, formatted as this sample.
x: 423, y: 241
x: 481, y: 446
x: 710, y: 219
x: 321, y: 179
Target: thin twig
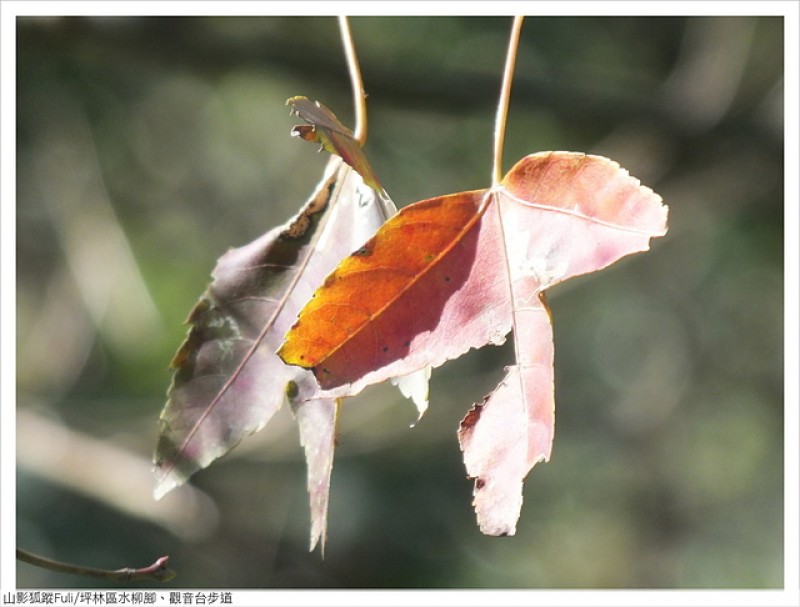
x: 158, y: 571
x: 359, y: 96
x: 505, y: 95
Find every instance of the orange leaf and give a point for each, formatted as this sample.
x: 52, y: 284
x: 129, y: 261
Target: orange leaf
x: 460, y: 271
x: 384, y: 302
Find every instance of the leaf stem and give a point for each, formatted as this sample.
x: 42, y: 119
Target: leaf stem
x: 505, y: 95
x: 158, y: 571
x: 359, y: 96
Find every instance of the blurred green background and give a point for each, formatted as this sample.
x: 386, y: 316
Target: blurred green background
x: 148, y: 146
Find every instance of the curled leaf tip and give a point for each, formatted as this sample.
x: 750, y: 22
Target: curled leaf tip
x: 322, y: 126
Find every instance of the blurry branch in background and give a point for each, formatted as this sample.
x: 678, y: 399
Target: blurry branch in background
x: 210, y: 57
x: 100, y: 288
x: 709, y: 71
x: 113, y: 476
x: 98, y: 291
x: 95, y: 245
x: 158, y: 571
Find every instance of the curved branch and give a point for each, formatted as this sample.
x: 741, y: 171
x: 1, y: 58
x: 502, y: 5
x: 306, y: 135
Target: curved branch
x: 502, y: 105
x: 158, y: 571
x: 359, y: 96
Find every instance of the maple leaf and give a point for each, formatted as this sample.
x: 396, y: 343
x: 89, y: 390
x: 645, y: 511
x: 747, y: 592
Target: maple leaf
x: 460, y: 271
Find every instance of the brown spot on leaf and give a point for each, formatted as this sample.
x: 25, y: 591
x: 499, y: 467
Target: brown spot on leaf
x: 299, y: 226
x: 472, y: 417
x: 202, y: 306
x: 189, y: 347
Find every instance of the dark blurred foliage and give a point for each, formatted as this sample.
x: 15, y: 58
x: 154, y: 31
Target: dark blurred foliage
x: 148, y: 146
